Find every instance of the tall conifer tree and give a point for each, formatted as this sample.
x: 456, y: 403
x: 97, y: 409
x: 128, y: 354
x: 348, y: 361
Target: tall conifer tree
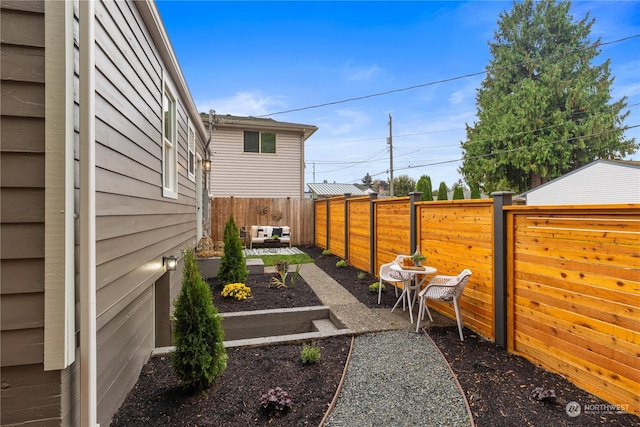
x: 544, y: 109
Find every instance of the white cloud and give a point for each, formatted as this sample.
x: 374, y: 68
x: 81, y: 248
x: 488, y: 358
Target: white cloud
x: 361, y: 73
x: 245, y: 103
x: 349, y: 120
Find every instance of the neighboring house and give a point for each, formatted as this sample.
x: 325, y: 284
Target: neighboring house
x: 256, y: 157
x: 367, y: 190
x: 599, y: 182
x: 101, y: 179
x: 329, y: 190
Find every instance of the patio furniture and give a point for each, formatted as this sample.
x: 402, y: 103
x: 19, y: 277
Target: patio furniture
x: 409, y: 276
x: 444, y: 288
x: 385, y: 276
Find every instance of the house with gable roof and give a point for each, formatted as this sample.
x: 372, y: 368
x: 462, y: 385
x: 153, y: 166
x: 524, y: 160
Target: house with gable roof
x: 599, y: 182
x: 256, y: 157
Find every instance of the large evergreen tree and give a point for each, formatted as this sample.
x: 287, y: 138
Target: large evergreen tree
x: 367, y: 180
x: 543, y: 108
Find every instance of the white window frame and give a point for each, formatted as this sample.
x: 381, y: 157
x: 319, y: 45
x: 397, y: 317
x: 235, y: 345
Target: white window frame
x: 191, y: 152
x: 169, y: 142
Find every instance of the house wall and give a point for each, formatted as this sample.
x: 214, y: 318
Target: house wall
x: 239, y: 174
x: 599, y: 183
x: 135, y: 225
x: 28, y: 392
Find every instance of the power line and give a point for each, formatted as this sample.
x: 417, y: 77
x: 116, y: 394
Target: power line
x: 488, y: 139
x: 447, y: 80
x: 495, y: 153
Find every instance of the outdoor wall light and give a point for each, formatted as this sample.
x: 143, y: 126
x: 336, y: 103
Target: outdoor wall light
x: 207, y: 165
x: 171, y: 262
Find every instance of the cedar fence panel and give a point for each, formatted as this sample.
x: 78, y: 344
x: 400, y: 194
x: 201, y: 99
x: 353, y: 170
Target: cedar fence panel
x: 359, y: 232
x: 336, y: 226
x: 392, y: 229
x: 321, y: 215
x: 455, y: 235
x: 296, y: 213
x: 574, y: 295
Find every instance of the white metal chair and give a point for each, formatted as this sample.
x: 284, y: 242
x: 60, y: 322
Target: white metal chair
x: 385, y: 276
x: 444, y: 288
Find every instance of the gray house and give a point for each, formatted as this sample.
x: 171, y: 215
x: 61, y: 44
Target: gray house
x: 102, y: 178
x: 602, y: 181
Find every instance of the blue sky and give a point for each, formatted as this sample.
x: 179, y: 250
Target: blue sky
x: 258, y: 58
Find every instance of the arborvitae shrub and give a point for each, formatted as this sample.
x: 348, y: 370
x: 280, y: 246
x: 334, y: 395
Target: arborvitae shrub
x: 200, y: 355
x: 475, y: 192
x: 442, y: 191
x: 424, y: 186
x: 458, y: 193
x: 233, y: 268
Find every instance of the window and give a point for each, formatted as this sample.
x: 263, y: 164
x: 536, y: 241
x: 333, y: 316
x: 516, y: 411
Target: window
x: 169, y: 146
x: 259, y: 142
x: 191, y: 138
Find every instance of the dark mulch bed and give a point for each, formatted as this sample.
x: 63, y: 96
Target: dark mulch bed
x: 497, y: 384
x: 297, y: 294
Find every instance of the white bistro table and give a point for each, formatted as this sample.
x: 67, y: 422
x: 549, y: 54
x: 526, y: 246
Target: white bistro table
x: 411, y: 281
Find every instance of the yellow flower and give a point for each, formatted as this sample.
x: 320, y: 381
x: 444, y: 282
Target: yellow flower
x: 238, y: 291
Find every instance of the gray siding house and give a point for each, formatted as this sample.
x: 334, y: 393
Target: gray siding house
x: 256, y: 157
x: 599, y: 182
x: 101, y: 178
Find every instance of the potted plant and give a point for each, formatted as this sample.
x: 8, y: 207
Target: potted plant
x: 417, y: 257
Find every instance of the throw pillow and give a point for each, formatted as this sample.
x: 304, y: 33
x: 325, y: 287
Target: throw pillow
x: 277, y: 231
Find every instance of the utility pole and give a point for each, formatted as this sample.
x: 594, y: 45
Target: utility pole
x: 390, y: 142
x: 314, y: 172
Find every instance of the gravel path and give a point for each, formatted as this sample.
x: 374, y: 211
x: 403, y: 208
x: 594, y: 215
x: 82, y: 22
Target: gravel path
x: 398, y: 378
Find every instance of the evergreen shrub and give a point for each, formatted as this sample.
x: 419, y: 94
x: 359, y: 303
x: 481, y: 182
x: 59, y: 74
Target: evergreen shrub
x: 233, y: 268
x: 200, y: 355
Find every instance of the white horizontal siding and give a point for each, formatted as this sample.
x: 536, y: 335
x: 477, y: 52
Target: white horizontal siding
x: 239, y: 174
x: 599, y: 183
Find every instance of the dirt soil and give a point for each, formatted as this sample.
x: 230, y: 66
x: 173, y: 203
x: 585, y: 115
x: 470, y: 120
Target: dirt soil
x: 497, y: 385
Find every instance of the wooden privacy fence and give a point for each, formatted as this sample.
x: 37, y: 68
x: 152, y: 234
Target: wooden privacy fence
x: 574, y: 295
x: 296, y: 213
x: 558, y: 285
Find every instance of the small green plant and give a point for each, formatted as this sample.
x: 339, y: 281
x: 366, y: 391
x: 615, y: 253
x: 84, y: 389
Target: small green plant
x: 310, y: 354
x: 199, y: 356
x: 417, y: 257
x: 275, y: 237
x: 326, y: 252
x: 362, y: 275
x: 375, y: 287
x: 341, y: 264
x: 276, y: 402
x: 237, y: 291
x: 296, y: 274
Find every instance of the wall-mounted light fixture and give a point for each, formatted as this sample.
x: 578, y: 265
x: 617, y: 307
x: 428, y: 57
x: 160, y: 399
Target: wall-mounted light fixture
x: 170, y: 262
x: 206, y: 164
